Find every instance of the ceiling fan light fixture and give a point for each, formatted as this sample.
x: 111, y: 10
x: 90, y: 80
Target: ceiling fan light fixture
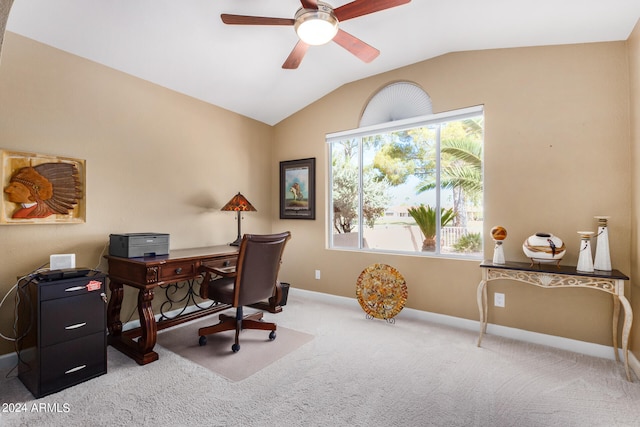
x: 316, y: 27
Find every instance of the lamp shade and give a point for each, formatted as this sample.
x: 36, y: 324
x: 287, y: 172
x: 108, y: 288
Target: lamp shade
x: 238, y: 203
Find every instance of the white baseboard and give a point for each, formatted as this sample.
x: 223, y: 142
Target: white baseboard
x: 634, y: 364
x: 576, y: 346
x: 597, y: 350
x: 8, y: 361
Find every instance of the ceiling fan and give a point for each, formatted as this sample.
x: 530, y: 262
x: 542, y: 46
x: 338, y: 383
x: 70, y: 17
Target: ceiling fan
x: 317, y: 23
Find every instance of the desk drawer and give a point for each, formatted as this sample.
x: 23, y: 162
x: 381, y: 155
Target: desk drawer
x: 172, y: 272
x: 221, y: 262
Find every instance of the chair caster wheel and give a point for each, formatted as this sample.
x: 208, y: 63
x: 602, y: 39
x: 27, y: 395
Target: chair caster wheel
x: 202, y: 341
x: 272, y: 335
x: 235, y: 348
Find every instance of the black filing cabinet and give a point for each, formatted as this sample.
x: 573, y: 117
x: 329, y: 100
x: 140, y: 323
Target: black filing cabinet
x: 62, y: 332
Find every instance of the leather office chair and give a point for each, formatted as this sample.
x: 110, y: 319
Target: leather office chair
x: 253, y: 280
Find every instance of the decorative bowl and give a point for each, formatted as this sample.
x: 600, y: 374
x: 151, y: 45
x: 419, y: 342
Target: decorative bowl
x: 544, y: 247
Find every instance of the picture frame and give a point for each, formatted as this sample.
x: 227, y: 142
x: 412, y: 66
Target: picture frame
x: 41, y: 189
x: 298, y: 189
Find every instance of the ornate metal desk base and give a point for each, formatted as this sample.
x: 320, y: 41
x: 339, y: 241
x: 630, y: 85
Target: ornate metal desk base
x: 147, y: 274
x: 552, y: 276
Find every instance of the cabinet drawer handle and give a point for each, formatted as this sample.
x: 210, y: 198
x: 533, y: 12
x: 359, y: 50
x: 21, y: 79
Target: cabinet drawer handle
x: 179, y: 270
x: 76, y: 369
x: 76, y: 326
x: 75, y: 288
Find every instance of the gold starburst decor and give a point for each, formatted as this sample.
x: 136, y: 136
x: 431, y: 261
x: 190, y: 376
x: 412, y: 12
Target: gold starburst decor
x: 381, y: 291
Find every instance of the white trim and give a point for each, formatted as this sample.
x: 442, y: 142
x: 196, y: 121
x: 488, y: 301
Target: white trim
x: 8, y: 361
x: 576, y: 346
x: 634, y: 364
x: 11, y: 359
x: 582, y: 347
x: 405, y: 123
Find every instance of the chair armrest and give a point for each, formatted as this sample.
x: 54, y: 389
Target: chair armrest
x: 220, y: 271
x: 209, y: 272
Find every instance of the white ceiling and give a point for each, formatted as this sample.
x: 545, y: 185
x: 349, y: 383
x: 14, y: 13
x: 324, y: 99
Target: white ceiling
x: 184, y: 46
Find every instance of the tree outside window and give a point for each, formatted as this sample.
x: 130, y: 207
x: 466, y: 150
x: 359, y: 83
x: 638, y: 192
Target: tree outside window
x: 414, y: 188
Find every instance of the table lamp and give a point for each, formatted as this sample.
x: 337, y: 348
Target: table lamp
x: 238, y: 204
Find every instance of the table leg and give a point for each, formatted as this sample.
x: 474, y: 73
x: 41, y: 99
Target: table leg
x: 626, y: 329
x: 616, y: 317
x: 482, y: 308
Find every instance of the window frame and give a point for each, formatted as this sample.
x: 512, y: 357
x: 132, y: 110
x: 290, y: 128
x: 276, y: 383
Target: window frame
x: 396, y: 126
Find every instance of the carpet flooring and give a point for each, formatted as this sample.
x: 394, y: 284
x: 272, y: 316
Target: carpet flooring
x: 354, y: 372
x: 256, y: 350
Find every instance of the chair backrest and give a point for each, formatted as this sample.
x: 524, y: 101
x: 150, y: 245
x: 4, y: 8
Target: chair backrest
x: 258, y: 267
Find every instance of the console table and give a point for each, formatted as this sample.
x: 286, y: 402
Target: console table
x: 148, y: 273
x: 560, y: 276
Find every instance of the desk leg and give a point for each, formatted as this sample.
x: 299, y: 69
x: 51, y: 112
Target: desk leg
x: 616, y: 317
x: 148, y: 327
x: 482, y: 308
x: 141, y: 350
x: 626, y: 329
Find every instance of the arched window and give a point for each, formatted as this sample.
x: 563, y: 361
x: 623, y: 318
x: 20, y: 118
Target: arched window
x: 396, y: 101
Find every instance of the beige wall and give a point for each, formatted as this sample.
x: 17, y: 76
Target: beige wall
x: 634, y: 91
x: 156, y: 160
x: 556, y: 155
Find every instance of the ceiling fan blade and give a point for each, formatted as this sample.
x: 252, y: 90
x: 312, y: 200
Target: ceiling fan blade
x: 309, y: 4
x: 254, y: 20
x: 295, y: 57
x: 356, y: 46
x: 364, y: 7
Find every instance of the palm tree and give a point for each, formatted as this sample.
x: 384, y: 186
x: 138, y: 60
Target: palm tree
x: 462, y: 173
x: 425, y: 217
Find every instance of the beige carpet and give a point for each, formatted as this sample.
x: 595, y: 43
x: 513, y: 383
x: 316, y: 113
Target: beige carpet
x: 256, y: 350
x: 355, y: 372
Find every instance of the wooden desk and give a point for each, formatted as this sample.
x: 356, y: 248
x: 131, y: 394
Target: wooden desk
x: 147, y: 273
x: 554, y: 276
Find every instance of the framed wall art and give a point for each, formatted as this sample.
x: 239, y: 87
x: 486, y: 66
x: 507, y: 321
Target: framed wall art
x: 42, y: 189
x: 298, y: 189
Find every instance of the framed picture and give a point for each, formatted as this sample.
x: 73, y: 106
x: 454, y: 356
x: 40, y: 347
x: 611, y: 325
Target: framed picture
x: 298, y: 189
x: 41, y: 189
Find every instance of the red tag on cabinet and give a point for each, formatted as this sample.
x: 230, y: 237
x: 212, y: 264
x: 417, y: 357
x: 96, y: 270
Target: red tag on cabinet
x: 94, y: 285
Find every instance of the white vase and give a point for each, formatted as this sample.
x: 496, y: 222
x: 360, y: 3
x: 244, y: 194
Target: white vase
x: 603, y: 258
x: 498, y: 253
x: 544, y: 247
x: 585, y: 259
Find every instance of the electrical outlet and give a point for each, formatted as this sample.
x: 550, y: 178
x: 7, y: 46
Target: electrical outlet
x: 498, y: 299
x: 317, y: 274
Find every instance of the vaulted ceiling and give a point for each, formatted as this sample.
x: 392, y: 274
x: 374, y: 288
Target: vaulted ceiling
x: 183, y: 45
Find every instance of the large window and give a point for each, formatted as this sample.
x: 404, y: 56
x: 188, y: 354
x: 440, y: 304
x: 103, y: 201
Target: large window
x: 411, y: 186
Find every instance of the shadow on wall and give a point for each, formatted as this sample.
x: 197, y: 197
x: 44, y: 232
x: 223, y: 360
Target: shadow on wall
x: 5, y: 6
